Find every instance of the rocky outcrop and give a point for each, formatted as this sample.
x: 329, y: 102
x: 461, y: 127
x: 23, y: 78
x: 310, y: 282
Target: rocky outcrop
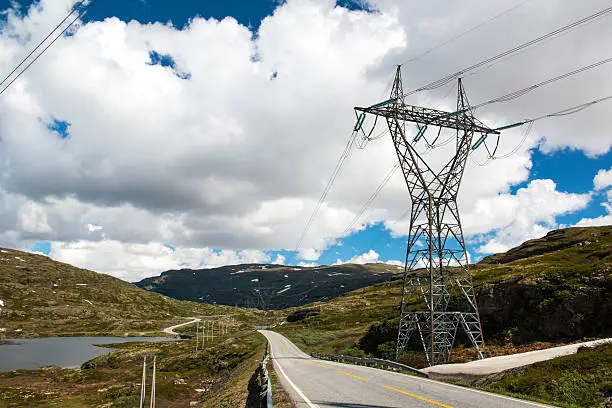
x: 522, y: 311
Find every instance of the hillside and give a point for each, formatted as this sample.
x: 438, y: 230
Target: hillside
x: 554, y: 289
x: 39, y: 296
x: 267, y: 286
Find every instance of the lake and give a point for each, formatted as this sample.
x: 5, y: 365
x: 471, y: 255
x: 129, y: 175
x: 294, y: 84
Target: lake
x: 67, y: 352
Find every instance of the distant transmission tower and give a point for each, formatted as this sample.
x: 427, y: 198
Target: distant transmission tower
x: 436, y: 267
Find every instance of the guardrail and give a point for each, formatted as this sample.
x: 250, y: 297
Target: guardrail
x: 260, y: 386
x: 266, y: 383
x: 370, y: 362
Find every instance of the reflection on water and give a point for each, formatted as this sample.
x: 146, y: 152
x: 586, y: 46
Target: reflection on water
x: 67, y: 352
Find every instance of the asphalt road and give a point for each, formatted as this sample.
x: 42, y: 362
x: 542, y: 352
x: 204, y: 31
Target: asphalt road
x: 170, y: 330
x: 316, y: 383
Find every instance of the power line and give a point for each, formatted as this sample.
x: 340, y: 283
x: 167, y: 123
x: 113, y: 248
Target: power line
x: 516, y: 94
x: 563, y: 112
x: 521, y: 92
x: 568, y: 111
x: 76, y: 7
x: 345, y: 154
x: 73, y: 9
x: 441, y: 82
x: 466, y: 32
x: 370, y: 200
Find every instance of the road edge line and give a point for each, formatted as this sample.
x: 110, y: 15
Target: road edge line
x: 291, y: 383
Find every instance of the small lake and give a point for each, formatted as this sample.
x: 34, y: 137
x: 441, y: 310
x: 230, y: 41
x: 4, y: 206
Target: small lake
x: 67, y: 352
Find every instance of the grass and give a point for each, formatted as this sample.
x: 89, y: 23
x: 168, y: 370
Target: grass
x: 221, y: 369
x: 558, y: 292
x: 548, y: 292
x: 43, y: 297
x: 581, y: 380
x: 280, y: 397
x: 47, y: 298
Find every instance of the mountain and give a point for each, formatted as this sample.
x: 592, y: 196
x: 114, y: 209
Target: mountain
x: 39, y: 296
x: 267, y: 286
x: 550, y: 290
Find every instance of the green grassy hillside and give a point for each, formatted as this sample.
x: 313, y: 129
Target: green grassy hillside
x: 44, y: 297
x: 554, y: 289
x: 267, y: 286
x: 583, y: 379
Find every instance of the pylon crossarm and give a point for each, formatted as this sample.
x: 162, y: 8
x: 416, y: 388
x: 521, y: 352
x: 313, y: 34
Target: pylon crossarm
x: 429, y: 117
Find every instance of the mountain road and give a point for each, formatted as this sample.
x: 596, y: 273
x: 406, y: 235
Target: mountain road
x: 313, y: 383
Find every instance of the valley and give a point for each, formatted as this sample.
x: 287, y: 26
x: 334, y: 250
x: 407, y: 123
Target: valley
x: 547, y: 292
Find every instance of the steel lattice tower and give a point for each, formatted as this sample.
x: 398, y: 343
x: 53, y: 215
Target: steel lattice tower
x: 436, y: 266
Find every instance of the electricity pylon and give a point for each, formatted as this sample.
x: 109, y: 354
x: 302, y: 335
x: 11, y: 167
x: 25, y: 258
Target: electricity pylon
x: 436, y: 268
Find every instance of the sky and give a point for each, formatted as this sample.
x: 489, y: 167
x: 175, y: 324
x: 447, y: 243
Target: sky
x: 158, y: 135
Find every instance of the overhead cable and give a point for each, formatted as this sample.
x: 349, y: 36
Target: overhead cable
x: 345, y: 154
x: 80, y: 8
x: 464, y: 33
x: 370, y: 200
x: 521, y: 92
x: 443, y: 81
x: 570, y: 111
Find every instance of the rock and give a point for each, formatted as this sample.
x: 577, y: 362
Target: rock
x: 88, y: 365
x: 179, y: 381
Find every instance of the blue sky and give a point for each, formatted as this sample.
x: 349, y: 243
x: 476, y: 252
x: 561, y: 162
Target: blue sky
x: 570, y: 168
x: 247, y: 12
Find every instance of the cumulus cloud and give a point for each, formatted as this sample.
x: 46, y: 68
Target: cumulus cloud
x: 226, y: 155
x: 367, y: 257
x: 603, y: 179
x: 136, y: 261
x: 514, y: 218
x: 308, y: 254
x: 279, y: 260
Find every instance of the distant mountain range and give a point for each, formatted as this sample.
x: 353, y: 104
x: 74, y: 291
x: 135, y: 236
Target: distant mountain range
x: 267, y: 286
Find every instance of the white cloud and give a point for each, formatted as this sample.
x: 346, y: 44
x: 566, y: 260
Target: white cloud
x: 136, y: 261
x: 602, y: 220
x: 231, y: 159
x: 93, y: 227
x: 33, y: 219
x: 367, y: 257
x: 279, y: 260
x: 308, y: 254
x: 603, y: 179
x: 529, y: 213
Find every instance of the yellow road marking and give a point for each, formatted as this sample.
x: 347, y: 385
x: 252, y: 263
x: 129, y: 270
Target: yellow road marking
x: 417, y: 396
x: 284, y: 348
x: 352, y: 375
x: 317, y: 364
